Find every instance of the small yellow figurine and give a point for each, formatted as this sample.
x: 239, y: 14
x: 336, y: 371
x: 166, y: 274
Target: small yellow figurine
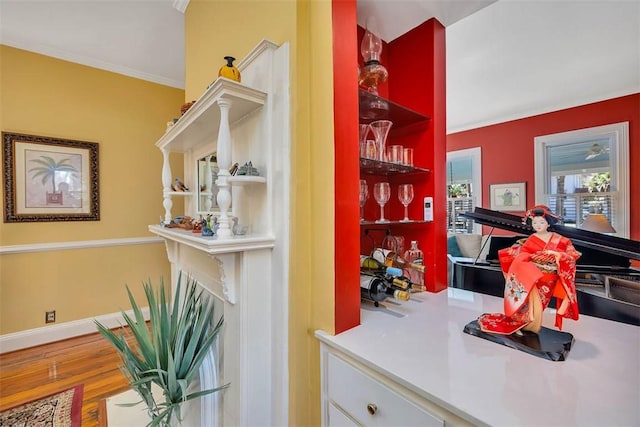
x: 229, y: 70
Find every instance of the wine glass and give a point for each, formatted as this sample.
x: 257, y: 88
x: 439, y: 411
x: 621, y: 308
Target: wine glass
x: 364, y: 195
x: 405, y: 195
x: 382, y: 192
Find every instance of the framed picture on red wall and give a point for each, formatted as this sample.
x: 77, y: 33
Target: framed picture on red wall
x: 509, y: 197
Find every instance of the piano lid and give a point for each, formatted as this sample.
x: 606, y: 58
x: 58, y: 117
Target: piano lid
x: 602, y: 242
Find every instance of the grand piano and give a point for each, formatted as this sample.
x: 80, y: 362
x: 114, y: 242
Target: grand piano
x: 607, y: 286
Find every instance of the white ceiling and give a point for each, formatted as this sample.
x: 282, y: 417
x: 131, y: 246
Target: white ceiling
x: 518, y: 58
x: 389, y: 19
x: 139, y: 38
x: 505, y: 60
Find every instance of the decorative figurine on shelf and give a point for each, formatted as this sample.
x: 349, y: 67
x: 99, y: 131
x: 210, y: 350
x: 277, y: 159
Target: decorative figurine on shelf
x: 229, y: 70
x: 233, y: 169
x: 373, y: 72
x: 248, y: 170
x: 183, y: 222
x: 209, y: 225
x: 541, y: 267
x: 185, y: 107
x: 237, y: 228
x: 179, y: 185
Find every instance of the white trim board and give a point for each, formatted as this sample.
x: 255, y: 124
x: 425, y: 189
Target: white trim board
x: 79, y: 244
x: 47, y: 334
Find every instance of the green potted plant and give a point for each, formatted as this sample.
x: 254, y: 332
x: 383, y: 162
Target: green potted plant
x: 599, y: 182
x: 168, y: 351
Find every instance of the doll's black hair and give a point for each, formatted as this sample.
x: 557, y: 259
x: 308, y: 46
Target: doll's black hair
x: 543, y: 211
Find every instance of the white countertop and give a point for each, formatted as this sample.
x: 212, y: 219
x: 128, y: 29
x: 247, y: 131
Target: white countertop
x: 420, y: 344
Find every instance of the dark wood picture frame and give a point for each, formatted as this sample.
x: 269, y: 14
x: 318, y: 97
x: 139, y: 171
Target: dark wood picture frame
x: 49, y: 179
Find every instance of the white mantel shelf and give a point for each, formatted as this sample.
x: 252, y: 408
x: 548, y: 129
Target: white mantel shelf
x: 420, y: 345
x: 212, y: 245
x: 204, y: 116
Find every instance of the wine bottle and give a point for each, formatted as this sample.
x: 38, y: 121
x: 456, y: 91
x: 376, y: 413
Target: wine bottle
x: 398, y: 294
x: 372, y: 288
x: 418, y: 288
x: 408, y: 284
x: 399, y: 282
x: 415, y: 256
x: 371, y: 265
x: 392, y: 259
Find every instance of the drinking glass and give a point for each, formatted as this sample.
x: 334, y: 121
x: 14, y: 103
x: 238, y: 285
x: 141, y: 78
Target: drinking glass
x: 407, y: 156
x: 382, y: 192
x: 371, y: 149
x: 364, y: 130
x: 395, y: 154
x: 405, y: 195
x: 364, y: 195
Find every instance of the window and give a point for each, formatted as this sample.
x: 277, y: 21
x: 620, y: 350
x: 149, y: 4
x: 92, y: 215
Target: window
x: 464, y: 189
x: 585, y: 172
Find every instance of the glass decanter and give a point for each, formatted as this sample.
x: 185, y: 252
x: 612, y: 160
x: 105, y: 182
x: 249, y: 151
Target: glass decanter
x: 372, y: 73
x: 380, y: 130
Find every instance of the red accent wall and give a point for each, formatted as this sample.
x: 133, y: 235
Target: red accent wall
x: 417, y: 60
x: 347, y: 213
x: 508, y: 150
x: 416, y: 63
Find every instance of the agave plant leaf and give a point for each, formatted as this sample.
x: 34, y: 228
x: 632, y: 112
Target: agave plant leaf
x: 169, y: 350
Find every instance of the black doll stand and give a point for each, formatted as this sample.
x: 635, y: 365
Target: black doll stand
x: 548, y: 343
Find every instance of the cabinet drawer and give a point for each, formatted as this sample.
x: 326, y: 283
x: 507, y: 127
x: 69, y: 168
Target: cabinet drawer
x: 369, y: 401
x: 337, y: 418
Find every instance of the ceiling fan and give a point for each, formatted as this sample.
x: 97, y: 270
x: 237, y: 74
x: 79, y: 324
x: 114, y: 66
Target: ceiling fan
x: 595, y: 150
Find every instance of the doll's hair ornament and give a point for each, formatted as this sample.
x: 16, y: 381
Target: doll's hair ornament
x: 544, y: 211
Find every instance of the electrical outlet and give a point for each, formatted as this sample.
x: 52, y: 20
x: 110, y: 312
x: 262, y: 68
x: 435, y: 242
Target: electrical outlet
x: 50, y: 317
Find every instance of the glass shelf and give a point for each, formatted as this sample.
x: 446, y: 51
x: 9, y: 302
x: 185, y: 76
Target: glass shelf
x: 374, y: 224
x: 374, y: 107
x: 376, y: 167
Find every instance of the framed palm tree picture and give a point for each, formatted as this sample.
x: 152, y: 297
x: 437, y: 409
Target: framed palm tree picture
x: 49, y: 179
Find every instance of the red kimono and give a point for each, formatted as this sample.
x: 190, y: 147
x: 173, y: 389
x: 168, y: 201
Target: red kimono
x: 528, y: 265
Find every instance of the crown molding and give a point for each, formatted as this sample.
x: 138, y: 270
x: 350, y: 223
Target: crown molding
x: 526, y: 113
x: 92, y: 62
x: 181, y: 5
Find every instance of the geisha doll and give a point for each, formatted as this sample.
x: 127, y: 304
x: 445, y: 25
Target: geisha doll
x: 542, y: 267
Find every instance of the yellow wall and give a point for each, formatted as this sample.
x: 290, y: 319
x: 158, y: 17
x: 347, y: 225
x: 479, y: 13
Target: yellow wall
x: 44, y: 96
x: 215, y: 29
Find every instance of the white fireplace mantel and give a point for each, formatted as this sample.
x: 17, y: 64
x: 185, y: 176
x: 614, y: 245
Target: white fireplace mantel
x: 247, y: 275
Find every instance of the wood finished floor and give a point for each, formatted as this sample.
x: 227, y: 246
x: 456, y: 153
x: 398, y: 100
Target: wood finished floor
x: 35, y: 372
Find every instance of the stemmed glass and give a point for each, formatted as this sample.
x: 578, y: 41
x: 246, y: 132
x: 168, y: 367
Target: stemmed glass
x: 405, y: 195
x: 364, y: 195
x: 382, y: 192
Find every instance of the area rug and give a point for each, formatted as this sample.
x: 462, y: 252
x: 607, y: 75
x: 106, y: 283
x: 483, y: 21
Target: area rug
x: 62, y: 409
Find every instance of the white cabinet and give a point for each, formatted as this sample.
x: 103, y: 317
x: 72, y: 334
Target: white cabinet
x: 354, y: 394
x: 337, y: 418
x: 369, y: 401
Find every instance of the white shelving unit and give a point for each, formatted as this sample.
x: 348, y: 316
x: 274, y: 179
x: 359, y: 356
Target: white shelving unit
x: 246, y: 274
x: 224, y: 103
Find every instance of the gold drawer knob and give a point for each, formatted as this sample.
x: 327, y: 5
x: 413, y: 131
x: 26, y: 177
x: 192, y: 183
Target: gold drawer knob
x: 372, y: 408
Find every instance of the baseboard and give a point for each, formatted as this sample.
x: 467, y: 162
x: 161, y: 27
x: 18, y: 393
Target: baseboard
x: 62, y: 331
